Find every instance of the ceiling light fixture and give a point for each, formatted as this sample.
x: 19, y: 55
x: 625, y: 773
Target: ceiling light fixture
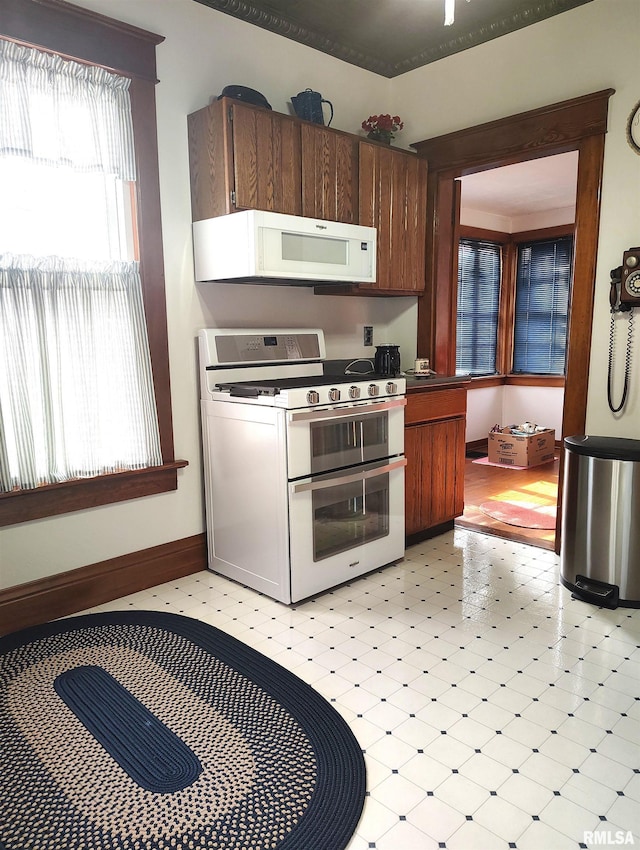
x: 449, y: 12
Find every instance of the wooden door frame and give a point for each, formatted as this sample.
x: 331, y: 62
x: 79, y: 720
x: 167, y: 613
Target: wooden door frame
x: 578, y: 125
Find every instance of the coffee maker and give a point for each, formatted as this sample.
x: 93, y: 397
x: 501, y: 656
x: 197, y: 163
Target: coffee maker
x: 387, y: 360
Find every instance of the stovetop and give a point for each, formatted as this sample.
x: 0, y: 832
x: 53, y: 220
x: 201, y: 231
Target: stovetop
x: 274, y: 386
x: 311, y: 390
x: 283, y: 369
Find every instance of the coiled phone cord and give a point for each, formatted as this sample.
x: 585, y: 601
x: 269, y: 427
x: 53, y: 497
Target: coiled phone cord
x: 627, y: 364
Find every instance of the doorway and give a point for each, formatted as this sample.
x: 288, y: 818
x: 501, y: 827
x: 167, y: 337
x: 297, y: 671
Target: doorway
x: 578, y: 125
x: 529, y: 201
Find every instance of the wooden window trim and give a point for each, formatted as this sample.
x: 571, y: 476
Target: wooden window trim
x: 516, y: 380
x: 557, y: 232
x: 86, y: 36
x: 535, y: 380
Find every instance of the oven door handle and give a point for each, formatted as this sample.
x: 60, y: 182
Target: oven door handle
x: 354, y: 410
x: 349, y: 479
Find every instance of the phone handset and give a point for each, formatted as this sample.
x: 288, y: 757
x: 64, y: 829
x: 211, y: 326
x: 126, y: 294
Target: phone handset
x: 624, y: 295
x: 617, y: 306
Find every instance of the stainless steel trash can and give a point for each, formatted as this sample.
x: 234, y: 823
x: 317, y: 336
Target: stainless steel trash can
x: 600, y: 544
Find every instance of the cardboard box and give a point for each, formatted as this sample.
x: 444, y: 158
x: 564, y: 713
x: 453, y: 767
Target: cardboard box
x: 521, y: 449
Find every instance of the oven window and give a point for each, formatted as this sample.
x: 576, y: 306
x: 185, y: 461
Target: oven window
x: 343, y: 442
x: 350, y: 515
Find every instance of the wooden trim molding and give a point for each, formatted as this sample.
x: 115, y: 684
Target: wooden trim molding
x: 486, y: 381
x: 516, y: 380
x: 83, y: 35
x: 77, y: 590
x: 79, y: 493
x: 86, y: 36
x: 579, y: 125
x: 535, y: 380
x: 559, y: 126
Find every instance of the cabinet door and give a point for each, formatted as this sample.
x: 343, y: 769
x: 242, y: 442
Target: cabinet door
x: 434, y: 476
x: 329, y: 174
x: 413, y: 484
x: 393, y: 198
x: 209, y: 166
x: 266, y: 160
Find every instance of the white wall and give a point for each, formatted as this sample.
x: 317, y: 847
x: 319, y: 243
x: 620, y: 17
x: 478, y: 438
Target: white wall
x: 203, y: 51
x: 517, y: 223
x: 583, y: 50
x: 513, y: 404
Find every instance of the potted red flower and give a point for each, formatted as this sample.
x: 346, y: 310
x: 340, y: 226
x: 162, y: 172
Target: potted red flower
x: 381, y: 128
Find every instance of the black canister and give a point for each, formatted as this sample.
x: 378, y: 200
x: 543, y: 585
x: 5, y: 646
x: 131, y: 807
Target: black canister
x: 387, y: 360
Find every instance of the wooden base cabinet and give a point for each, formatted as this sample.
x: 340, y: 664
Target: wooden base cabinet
x: 435, y: 451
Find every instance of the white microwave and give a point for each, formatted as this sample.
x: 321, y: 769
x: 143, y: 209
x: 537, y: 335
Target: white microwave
x: 255, y: 246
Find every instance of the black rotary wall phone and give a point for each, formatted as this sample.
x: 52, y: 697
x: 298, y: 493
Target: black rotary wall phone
x: 624, y: 295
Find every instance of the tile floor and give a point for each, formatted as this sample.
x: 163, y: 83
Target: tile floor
x: 494, y: 710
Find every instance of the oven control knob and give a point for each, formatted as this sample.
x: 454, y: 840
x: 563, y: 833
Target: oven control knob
x: 334, y: 394
x: 354, y: 392
x: 373, y: 389
x: 391, y: 388
x: 313, y: 397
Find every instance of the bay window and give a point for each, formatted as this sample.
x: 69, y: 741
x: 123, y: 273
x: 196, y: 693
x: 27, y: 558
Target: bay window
x: 513, y: 303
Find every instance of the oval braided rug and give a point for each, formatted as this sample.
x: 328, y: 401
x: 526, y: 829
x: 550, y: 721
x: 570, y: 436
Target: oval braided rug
x: 151, y: 731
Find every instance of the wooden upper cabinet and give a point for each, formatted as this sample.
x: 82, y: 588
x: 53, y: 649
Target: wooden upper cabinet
x: 266, y: 160
x: 329, y: 174
x: 243, y: 157
x: 211, y: 177
x: 393, y: 198
x: 246, y: 157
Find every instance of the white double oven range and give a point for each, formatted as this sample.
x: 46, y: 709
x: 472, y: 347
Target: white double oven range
x: 304, y: 471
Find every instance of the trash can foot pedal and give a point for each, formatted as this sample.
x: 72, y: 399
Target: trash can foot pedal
x: 597, y: 592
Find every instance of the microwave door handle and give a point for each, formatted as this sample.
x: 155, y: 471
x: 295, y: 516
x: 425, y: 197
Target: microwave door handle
x: 349, y: 479
x: 355, y: 410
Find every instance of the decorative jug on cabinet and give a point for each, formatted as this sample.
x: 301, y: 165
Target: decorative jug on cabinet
x: 308, y: 106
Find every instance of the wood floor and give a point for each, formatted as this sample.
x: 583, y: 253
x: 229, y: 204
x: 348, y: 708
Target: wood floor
x: 539, y: 484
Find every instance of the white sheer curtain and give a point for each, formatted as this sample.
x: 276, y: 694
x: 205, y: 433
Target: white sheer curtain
x: 76, y: 389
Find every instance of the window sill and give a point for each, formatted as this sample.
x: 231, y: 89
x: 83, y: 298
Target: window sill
x: 517, y: 380
x: 54, y: 499
x: 486, y: 381
x: 535, y: 380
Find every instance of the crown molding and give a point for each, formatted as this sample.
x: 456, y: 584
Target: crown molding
x: 262, y: 14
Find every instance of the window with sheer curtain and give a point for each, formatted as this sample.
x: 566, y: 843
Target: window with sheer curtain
x: 76, y: 389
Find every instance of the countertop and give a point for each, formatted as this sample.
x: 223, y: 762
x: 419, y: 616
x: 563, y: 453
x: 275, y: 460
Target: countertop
x: 414, y: 385
x: 421, y: 385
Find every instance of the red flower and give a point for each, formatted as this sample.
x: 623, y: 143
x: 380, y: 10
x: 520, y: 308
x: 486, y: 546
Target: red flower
x: 384, y: 123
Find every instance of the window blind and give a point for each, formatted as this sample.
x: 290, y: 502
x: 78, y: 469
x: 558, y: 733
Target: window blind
x: 479, y: 273
x: 542, y: 301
